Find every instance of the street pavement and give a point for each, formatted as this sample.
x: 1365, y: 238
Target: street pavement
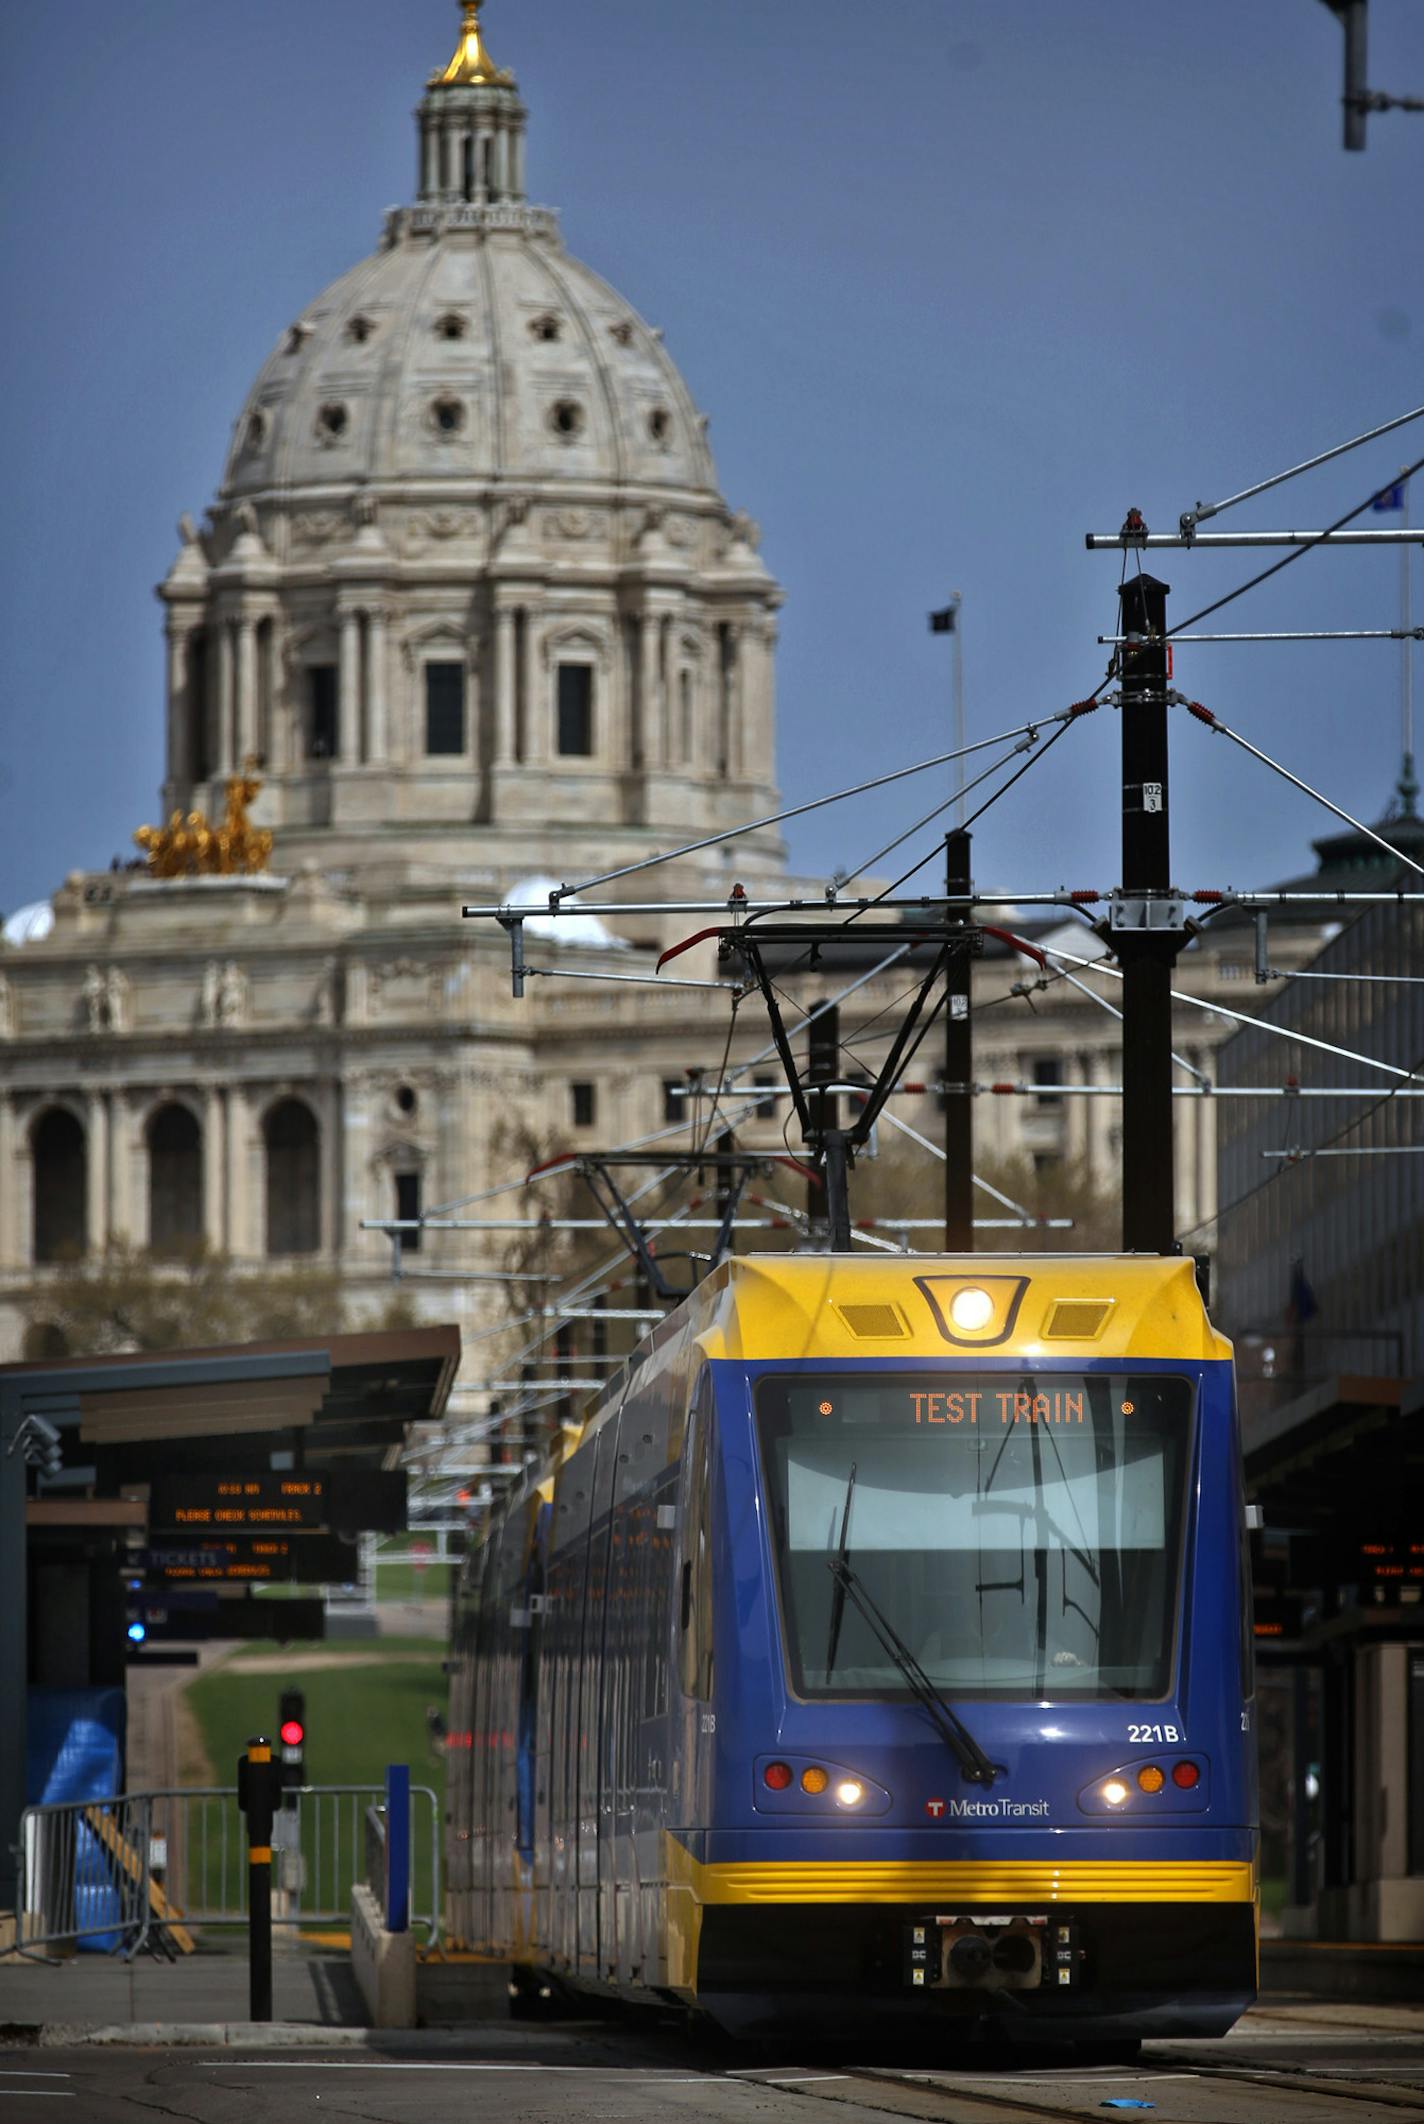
x: 1309, y: 2065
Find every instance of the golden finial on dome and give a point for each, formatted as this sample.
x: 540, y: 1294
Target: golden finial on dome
x: 472, y: 66
x: 189, y: 848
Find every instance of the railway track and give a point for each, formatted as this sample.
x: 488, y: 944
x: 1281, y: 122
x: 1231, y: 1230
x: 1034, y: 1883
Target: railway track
x: 1166, y: 2084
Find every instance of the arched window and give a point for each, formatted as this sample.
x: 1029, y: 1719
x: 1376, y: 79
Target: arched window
x: 175, y: 1180
x: 293, y: 1143
x: 61, y: 1185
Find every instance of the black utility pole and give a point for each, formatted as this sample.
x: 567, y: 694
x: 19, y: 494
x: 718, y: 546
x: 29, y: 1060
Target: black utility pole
x: 958, y: 1064
x: 823, y: 1062
x: 257, y: 1791
x: 1146, y: 925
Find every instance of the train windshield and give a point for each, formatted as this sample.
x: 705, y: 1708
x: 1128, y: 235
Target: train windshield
x: 1021, y: 1533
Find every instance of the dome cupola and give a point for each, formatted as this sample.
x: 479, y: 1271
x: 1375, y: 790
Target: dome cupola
x: 470, y: 591
x: 471, y: 126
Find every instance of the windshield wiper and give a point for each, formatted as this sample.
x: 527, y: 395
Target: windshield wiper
x: 972, y: 1760
x: 842, y: 1556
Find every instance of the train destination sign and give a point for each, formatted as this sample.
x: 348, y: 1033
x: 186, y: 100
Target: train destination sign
x: 352, y: 1500
x: 307, y: 1559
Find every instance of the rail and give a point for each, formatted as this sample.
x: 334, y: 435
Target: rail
x: 145, y: 1870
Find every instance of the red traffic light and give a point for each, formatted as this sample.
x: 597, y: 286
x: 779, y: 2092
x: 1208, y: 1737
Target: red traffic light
x: 293, y: 1733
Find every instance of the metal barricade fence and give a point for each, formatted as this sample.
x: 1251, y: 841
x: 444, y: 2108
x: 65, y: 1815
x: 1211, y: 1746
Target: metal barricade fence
x: 146, y: 1867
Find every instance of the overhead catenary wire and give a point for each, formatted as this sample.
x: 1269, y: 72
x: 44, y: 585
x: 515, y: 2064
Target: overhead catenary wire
x: 1203, y: 510
x: 1348, y: 1054
x: 796, y: 811
x: 1214, y: 723
x: 1296, y: 553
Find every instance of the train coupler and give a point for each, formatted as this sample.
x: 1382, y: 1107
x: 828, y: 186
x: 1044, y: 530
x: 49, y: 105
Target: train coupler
x: 980, y: 1953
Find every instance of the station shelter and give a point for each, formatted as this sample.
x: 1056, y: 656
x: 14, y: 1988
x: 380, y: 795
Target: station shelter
x: 84, y: 1442
x: 1337, y: 1474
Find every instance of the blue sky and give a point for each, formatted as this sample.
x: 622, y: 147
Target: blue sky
x: 956, y: 281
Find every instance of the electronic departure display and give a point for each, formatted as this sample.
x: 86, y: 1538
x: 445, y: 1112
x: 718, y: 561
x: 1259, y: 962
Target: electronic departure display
x: 237, y: 1502
x: 306, y: 1559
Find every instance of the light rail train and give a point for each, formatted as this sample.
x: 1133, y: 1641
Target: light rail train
x: 880, y: 1645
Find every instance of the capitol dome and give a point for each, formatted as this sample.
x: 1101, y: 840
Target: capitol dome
x: 469, y: 579
x: 447, y: 360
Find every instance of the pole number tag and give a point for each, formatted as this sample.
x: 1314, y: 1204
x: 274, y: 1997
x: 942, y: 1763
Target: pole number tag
x: 1152, y: 796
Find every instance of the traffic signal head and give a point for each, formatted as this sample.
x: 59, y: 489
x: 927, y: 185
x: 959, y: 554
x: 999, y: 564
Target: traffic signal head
x: 292, y: 1732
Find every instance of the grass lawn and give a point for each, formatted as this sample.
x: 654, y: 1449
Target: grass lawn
x: 365, y: 1708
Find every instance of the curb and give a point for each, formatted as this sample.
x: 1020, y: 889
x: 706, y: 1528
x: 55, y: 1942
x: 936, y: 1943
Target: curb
x: 234, y: 2035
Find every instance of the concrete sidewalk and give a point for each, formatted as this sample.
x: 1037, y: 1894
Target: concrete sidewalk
x: 309, y: 1989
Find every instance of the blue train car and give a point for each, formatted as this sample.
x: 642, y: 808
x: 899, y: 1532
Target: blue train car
x: 880, y: 1644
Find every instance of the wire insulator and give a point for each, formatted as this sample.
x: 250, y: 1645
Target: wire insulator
x: 1208, y: 898
x: 1203, y: 715
x: 1087, y: 893
x: 1077, y: 708
x: 1003, y: 1090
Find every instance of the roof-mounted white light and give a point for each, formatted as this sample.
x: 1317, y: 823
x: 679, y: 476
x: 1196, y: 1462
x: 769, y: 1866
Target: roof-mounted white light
x: 971, y: 1309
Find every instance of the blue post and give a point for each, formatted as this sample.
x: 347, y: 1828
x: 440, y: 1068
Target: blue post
x: 397, y: 1847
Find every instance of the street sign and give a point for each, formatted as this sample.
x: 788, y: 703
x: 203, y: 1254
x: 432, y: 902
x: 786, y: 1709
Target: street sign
x: 249, y: 1559
x: 168, y: 1621
x: 238, y: 1501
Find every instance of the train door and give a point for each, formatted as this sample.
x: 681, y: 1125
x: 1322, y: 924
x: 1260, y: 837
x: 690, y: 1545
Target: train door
x: 592, y: 1831
x: 566, y: 1623
x: 693, y: 1622
x: 622, y: 1949
x: 473, y: 1827
x: 531, y: 1753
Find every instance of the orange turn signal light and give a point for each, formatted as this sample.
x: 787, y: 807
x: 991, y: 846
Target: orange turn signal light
x: 814, y: 1779
x: 1150, y: 1779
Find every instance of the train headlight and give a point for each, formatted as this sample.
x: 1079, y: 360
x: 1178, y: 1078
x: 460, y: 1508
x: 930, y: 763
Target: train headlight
x: 971, y: 1309
x: 1114, y: 1792
x: 849, y: 1792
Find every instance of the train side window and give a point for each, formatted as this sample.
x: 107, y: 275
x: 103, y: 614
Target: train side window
x: 694, y: 1656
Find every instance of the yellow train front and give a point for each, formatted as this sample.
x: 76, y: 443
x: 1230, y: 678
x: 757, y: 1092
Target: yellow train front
x: 880, y: 1648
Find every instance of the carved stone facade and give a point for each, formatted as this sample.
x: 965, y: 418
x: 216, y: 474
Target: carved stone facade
x: 471, y: 596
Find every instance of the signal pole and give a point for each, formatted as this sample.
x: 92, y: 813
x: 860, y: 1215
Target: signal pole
x: 823, y: 1062
x: 1146, y: 921
x: 958, y: 1065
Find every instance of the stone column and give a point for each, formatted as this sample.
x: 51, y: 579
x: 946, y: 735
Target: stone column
x: 348, y: 713
x: 120, y: 1212
x: 376, y: 683
x: 538, y: 711
x: 1096, y: 1120
x: 22, y: 1206
x: 235, y: 1223
x: 245, y: 740
x: 222, y: 764
x: 276, y: 734
x: 96, y: 1172
x: 212, y: 1168
x: 455, y: 160
x: 430, y: 141
x: 758, y: 741
x: 180, y: 735
x: 516, y: 172
x: 137, y: 1190
x: 650, y: 706
x: 11, y: 1255
x: 505, y: 751
x: 1079, y: 1070
x: 481, y: 142
x: 1205, y: 1110
x: 501, y: 161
